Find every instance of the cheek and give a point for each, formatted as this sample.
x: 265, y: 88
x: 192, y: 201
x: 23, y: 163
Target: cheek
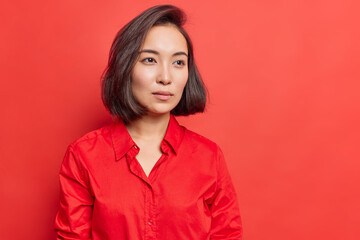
x: 140, y: 79
x: 183, y: 82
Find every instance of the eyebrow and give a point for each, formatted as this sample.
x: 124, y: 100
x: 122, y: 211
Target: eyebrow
x: 157, y: 53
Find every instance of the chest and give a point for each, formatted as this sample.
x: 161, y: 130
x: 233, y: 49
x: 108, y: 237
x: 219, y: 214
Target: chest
x: 148, y: 159
x: 172, y: 197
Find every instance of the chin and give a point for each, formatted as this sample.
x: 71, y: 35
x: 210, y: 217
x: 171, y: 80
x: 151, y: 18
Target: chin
x: 159, y: 112
x: 160, y: 109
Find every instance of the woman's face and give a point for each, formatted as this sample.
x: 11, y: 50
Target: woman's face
x: 161, y: 71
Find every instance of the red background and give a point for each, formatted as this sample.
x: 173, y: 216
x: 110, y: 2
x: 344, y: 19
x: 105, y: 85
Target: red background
x: 283, y: 78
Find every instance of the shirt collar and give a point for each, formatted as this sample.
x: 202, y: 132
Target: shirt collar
x: 174, y: 134
x: 122, y: 141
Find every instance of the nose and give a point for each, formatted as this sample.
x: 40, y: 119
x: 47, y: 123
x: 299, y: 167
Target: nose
x: 164, y: 76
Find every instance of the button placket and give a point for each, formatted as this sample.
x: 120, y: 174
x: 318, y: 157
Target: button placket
x: 149, y: 214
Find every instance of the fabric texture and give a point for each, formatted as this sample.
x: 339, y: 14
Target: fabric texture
x: 106, y: 195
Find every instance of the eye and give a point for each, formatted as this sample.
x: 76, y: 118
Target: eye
x: 148, y: 60
x: 180, y: 62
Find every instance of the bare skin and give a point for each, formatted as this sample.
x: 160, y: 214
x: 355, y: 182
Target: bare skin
x: 148, y: 132
x: 158, y: 80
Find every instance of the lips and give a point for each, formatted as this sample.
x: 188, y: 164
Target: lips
x: 163, y: 95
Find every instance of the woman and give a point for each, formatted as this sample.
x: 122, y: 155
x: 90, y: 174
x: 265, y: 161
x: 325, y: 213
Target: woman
x: 145, y: 176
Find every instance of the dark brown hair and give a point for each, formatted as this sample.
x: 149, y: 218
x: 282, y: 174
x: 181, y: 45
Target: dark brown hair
x: 116, y: 89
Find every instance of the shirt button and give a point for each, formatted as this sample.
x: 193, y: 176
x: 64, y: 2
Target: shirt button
x: 149, y: 222
x: 136, y: 147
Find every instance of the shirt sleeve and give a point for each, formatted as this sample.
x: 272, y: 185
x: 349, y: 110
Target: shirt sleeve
x: 73, y: 220
x: 225, y: 214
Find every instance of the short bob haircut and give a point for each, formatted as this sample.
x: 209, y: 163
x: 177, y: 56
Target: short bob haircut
x: 116, y: 91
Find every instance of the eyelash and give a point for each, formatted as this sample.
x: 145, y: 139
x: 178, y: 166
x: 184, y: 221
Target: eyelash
x: 182, y: 63
x: 147, y: 60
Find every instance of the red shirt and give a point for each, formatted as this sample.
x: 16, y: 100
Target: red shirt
x: 105, y: 193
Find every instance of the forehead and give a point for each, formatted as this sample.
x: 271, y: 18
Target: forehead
x: 165, y: 38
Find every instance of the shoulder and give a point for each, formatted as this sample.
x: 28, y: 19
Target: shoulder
x: 201, y: 152
x: 95, y: 137
x: 101, y: 133
x: 200, y: 142
x: 93, y: 147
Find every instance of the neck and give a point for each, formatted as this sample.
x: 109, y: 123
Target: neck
x: 149, y: 127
